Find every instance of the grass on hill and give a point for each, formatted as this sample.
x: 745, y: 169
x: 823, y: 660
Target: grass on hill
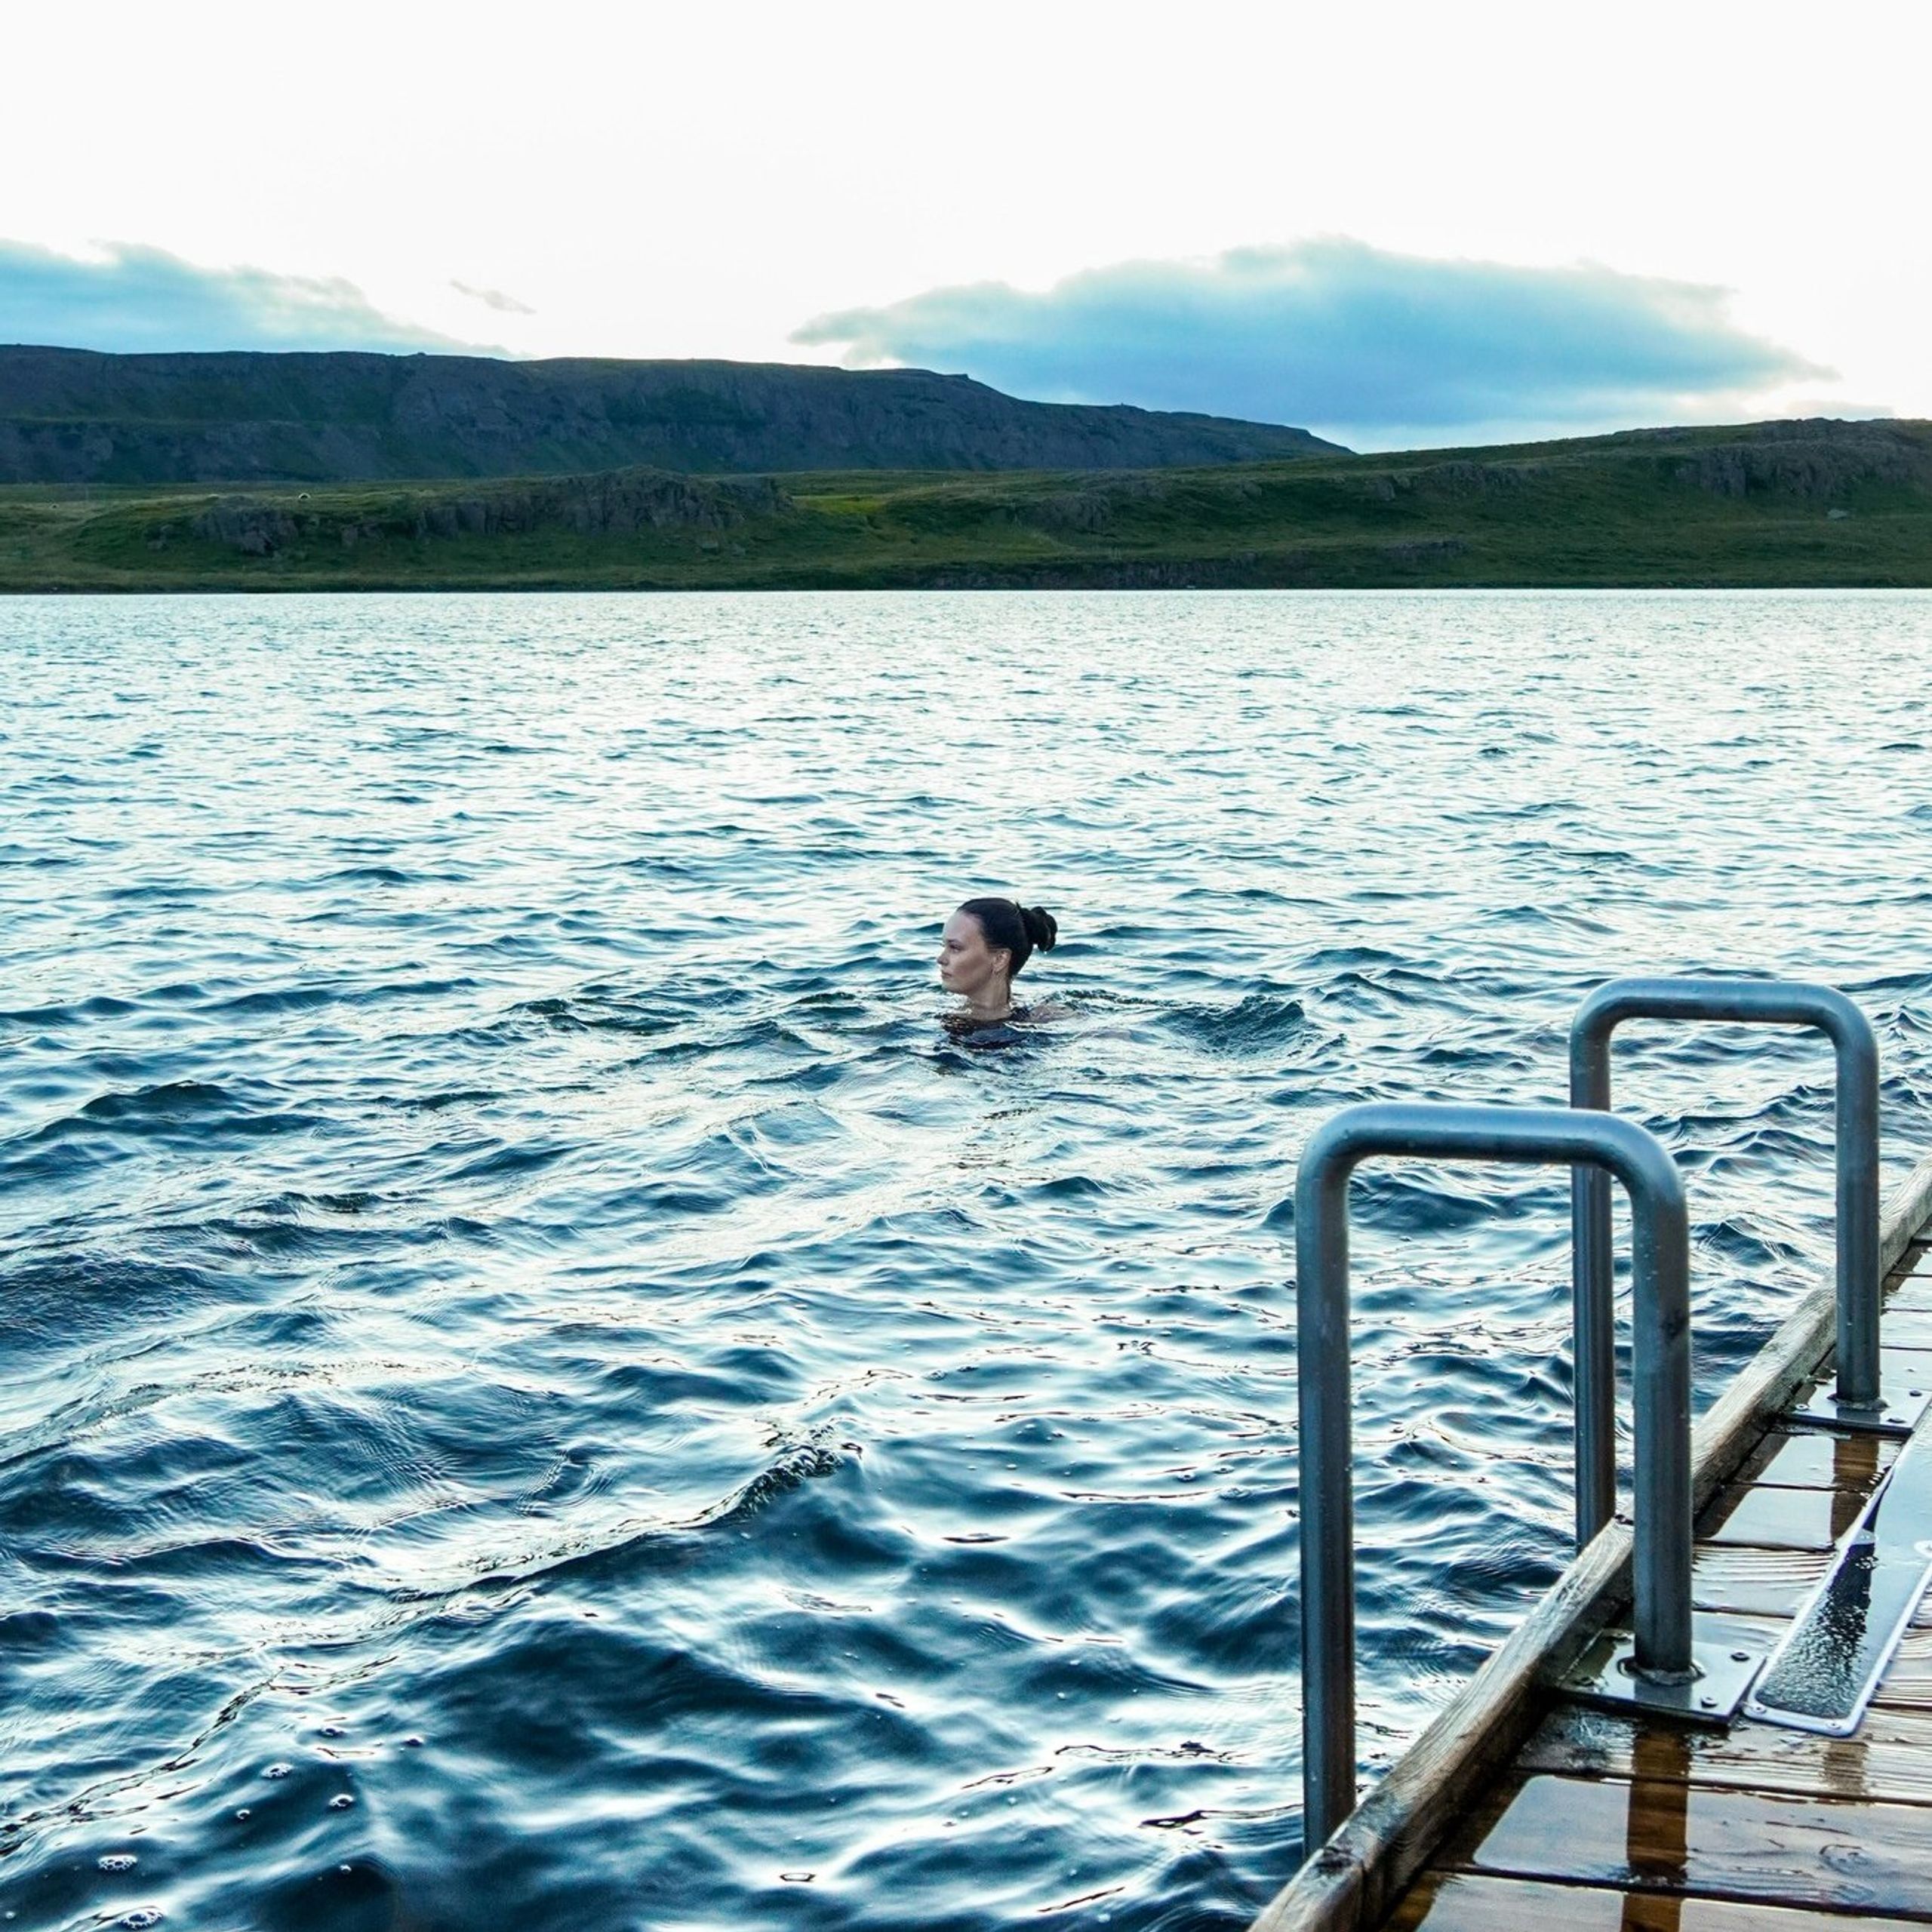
x: 1774, y: 504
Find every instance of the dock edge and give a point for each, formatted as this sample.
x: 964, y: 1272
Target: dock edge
x: 1355, y: 1878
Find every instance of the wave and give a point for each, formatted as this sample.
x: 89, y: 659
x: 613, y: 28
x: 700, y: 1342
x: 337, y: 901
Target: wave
x: 176, y: 1110
x: 462, y: 1225
x: 1250, y: 1026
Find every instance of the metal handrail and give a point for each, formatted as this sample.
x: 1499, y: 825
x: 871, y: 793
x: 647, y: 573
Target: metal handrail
x: 1661, y: 1230
x: 1762, y: 1002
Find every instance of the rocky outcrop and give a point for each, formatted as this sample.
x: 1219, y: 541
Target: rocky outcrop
x: 257, y: 530
x: 1091, y: 511
x: 617, y: 503
x: 1459, y: 477
x: 74, y: 415
x: 1809, y: 460
x: 1812, y: 467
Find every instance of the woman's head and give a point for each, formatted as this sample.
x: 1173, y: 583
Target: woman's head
x: 986, y: 942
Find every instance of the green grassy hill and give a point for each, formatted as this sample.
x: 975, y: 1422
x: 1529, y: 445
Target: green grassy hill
x: 1781, y: 504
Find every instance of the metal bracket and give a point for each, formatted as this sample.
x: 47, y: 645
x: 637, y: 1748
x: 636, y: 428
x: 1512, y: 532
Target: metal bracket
x: 1904, y: 1393
x: 1605, y: 1674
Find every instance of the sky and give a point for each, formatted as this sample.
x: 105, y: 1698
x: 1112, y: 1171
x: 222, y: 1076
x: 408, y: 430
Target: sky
x: 1399, y: 227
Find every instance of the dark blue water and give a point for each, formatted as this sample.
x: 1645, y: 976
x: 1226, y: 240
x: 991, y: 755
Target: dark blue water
x: 542, y: 1390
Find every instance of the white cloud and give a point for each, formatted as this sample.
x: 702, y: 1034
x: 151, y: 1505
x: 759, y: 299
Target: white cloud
x: 130, y: 297
x: 493, y: 298
x: 1372, y: 347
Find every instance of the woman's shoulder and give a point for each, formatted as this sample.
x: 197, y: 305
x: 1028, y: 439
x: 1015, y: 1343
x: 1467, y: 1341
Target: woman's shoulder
x: 1040, y: 1012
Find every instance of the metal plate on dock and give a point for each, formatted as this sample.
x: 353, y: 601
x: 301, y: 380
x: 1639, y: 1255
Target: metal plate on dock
x: 1905, y: 1390
x: 1606, y: 1674
x: 1824, y: 1670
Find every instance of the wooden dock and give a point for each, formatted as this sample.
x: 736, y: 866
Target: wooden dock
x: 1521, y: 1808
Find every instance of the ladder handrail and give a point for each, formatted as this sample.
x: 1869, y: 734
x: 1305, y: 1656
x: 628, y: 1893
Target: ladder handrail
x: 1661, y: 1230
x: 1762, y: 1002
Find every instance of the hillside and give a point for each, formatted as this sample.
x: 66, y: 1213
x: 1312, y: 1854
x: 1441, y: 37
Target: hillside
x: 73, y: 416
x: 1774, y: 503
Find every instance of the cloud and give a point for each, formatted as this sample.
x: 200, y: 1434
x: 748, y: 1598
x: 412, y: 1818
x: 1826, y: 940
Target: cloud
x: 1376, y: 348
x: 130, y: 297
x: 495, y: 298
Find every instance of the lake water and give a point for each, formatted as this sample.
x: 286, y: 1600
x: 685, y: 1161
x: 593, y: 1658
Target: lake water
x: 543, y: 1389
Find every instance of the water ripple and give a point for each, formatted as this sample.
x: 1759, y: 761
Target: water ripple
x: 548, y: 1390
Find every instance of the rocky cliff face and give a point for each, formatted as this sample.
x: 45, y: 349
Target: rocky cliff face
x: 619, y: 503
x: 1811, y: 460
x: 73, y: 416
x: 1814, y: 459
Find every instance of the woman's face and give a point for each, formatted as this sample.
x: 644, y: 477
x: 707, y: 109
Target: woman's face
x: 968, y: 965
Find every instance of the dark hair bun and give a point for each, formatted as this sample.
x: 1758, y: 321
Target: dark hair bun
x: 1022, y: 931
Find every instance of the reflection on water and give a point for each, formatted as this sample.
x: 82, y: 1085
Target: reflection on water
x: 546, y: 1389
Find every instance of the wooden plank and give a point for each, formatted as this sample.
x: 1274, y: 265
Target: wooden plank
x: 1905, y: 1217
x: 1912, y: 1262
x: 1763, y: 1519
x: 1660, y: 1834
x: 1890, y: 1758
x: 1907, y: 1685
x: 1469, y: 1902
x: 1815, y: 1459
x: 1732, y: 1628
x: 1906, y: 1328
x: 1914, y: 1365
x: 1908, y: 1216
x: 1764, y: 1582
x: 1760, y: 1583
x: 1777, y: 1516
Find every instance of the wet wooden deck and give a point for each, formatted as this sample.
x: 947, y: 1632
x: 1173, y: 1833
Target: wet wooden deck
x: 1619, y: 1824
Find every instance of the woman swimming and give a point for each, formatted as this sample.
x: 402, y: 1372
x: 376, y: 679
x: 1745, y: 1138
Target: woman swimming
x: 985, y: 944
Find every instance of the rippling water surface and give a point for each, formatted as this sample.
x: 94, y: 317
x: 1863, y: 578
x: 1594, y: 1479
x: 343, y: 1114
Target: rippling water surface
x: 543, y: 1389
